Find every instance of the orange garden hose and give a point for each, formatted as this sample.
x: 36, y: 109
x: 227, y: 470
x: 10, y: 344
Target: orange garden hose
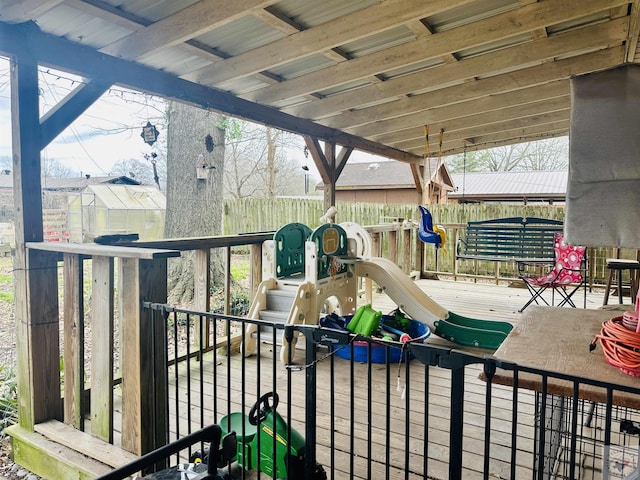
x: 621, y: 346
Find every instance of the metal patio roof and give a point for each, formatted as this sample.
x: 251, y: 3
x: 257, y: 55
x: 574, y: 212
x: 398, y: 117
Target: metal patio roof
x: 367, y: 74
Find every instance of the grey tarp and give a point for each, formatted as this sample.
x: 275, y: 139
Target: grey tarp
x: 603, y: 191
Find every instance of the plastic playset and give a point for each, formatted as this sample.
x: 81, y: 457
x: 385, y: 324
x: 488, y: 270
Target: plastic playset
x: 309, y: 273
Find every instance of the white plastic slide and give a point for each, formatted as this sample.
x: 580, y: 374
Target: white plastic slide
x: 402, y: 290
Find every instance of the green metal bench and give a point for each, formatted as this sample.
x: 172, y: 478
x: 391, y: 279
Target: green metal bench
x: 509, y: 239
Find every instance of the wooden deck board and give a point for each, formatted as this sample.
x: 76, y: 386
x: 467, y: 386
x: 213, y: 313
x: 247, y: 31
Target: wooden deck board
x: 352, y: 441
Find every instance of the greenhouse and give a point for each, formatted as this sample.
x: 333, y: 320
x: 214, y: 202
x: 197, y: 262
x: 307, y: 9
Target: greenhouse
x: 116, y: 209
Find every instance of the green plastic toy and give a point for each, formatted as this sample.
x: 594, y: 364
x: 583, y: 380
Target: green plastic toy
x: 365, y: 321
x: 264, y: 423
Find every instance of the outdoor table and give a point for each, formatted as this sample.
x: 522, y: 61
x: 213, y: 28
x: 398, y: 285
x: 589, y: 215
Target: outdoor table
x: 558, y: 339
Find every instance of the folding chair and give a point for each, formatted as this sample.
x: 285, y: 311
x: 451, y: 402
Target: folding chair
x: 566, y: 277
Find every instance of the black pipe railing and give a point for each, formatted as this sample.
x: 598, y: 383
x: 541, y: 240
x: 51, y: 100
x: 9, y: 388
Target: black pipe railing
x: 449, y: 420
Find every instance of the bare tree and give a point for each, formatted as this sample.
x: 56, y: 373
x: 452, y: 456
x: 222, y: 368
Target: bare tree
x: 54, y: 168
x: 195, y: 166
x: 258, y: 162
x: 548, y: 154
x: 140, y: 171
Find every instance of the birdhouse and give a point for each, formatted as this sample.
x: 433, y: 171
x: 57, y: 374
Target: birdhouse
x: 201, y: 167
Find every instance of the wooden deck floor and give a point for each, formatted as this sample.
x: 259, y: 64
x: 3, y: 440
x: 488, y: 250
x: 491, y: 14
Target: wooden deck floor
x: 367, y: 428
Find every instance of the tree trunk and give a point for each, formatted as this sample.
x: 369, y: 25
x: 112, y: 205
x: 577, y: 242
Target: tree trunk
x: 195, y: 167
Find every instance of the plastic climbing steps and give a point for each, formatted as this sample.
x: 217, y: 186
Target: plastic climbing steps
x: 278, y: 305
x: 472, y: 332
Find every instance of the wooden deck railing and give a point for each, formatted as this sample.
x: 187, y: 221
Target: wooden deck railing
x: 120, y: 344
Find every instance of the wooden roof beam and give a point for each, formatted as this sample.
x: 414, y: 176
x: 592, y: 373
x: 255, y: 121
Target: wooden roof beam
x: 520, y: 128
x: 528, y: 77
x: 504, y: 114
x: 69, y: 109
x: 482, y: 105
x: 523, y: 135
x: 496, y: 28
x: 17, y: 11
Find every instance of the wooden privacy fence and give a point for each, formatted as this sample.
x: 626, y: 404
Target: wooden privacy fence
x: 259, y: 214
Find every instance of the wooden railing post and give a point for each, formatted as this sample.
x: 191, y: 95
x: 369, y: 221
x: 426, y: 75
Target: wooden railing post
x: 376, y: 244
x: 255, y: 271
x: 102, y: 323
x: 406, y: 250
x: 144, y: 394
x: 392, y: 240
x: 73, y: 340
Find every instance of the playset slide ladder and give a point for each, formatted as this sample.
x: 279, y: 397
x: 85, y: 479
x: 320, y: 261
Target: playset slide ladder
x: 277, y: 306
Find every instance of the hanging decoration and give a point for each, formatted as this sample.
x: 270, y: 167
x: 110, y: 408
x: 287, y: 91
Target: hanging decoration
x: 149, y: 133
x: 208, y: 143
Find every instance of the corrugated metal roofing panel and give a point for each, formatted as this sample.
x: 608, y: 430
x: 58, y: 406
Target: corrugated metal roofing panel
x: 151, y: 10
x: 516, y: 184
x: 309, y: 13
x: 302, y: 66
x: 373, y: 43
x: 413, y: 68
x: 241, y: 35
x: 469, y: 13
x: 80, y: 27
x: 176, y: 60
x: 243, y: 85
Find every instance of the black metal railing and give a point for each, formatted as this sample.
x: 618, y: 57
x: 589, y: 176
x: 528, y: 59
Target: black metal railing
x: 440, y: 415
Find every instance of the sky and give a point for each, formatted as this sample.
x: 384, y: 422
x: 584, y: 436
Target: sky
x: 108, y: 132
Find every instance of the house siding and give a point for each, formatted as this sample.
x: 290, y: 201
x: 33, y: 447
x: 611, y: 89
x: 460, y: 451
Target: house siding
x: 379, y: 196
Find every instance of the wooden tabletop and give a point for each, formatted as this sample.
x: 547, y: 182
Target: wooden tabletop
x: 557, y: 340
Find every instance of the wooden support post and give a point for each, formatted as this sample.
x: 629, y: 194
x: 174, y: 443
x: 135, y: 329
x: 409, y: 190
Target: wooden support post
x: 328, y: 166
x: 102, y: 320
x: 35, y: 273
x: 73, y: 340
x: 144, y: 395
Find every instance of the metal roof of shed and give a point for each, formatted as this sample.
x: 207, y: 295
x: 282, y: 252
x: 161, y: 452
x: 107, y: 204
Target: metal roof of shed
x: 536, y: 185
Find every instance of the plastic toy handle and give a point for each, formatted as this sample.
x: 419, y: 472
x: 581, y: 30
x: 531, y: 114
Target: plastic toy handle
x: 404, y: 337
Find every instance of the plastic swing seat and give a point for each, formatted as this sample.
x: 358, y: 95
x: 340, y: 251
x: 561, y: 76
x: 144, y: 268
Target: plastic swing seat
x: 426, y: 232
x: 565, y: 278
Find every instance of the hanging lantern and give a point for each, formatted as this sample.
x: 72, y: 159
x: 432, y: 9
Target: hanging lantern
x: 149, y: 133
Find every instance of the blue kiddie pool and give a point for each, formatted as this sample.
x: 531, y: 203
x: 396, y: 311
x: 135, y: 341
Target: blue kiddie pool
x: 418, y: 332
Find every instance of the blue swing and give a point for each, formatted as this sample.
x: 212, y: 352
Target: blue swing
x: 426, y: 233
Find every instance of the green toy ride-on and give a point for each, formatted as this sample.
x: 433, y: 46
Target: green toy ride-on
x: 255, y: 434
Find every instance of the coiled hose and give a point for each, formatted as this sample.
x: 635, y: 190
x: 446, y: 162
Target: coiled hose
x: 620, y: 343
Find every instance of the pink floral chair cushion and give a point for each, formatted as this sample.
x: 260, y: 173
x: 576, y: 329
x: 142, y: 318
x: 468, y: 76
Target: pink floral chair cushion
x: 567, y: 267
x: 567, y: 270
